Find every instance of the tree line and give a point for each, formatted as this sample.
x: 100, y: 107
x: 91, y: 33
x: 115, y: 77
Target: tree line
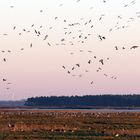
x: 85, y: 101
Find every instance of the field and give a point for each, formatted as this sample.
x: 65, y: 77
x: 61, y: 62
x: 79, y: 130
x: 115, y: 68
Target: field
x: 68, y: 125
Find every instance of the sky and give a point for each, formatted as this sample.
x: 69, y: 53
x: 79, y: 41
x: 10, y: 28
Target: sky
x: 74, y: 32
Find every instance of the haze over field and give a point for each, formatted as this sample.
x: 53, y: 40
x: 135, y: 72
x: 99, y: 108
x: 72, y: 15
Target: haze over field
x: 61, y: 47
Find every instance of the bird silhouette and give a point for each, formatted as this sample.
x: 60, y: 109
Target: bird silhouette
x: 101, y: 17
x: 68, y: 72
x: 4, y: 59
x: 60, y: 5
x: 31, y: 45
x: 14, y: 27
x: 101, y: 37
x: 90, y: 51
x: 73, y: 68
x: 91, y: 82
x: 45, y: 37
x: 9, y: 51
x: 116, y: 48
x: 62, y: 39
x: 91, y: 26
x: 49, y: 44
x: 9, y: 83
x: 56, y: 18
x: 78, y: 65
x: 4, y: 80
x: 102, y: 61
x: 134, y: 47
x: 89, y: 62
x: 63, y: 67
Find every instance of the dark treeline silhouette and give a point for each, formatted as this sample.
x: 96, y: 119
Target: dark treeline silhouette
x: 86, y: 101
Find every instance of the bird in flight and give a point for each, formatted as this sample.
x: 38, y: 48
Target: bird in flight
x: 134, y: 47
x: 116, y: 47
x: 102, y: 61
x: 9, y: 51
x: 14, y: 27
x: 78, y: 65
x: 4, y: 59
x: 11, y: 6
x: 45, y: 37
x: 63, y: 67
x: 56, y: 18
x: 68, y: 72
x: 49, y: 44
x: 101, y: 37
x: 105, y: 75
x: 60, y: 5
x: 91, y: 82
x: 73, y: 68
x: 89, y: 62
x: 4, y: 80
x: 31, y: 45
x: 101, y: 17
x: 77, y: 0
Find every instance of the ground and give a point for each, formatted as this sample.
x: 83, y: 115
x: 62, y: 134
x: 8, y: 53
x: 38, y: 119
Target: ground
x: 68, y: 125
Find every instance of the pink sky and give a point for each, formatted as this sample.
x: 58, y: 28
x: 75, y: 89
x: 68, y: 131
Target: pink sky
x: 38, y: 71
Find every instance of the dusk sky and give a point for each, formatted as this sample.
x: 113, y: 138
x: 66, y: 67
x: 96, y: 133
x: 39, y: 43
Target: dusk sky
x: 70, y: 26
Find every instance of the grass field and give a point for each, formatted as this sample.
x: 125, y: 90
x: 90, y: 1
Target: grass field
x: 68, y: 125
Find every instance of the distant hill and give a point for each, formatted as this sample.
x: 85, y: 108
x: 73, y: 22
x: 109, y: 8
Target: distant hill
x: 86, y: 101
x: 12, y: 103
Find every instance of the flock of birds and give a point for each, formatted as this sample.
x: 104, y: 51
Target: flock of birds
x: 73, y: 33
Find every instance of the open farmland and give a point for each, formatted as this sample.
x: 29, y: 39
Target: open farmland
x: 68, y: 124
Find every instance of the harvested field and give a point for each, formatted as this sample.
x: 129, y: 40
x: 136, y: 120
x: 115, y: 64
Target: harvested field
x: 68, y: 125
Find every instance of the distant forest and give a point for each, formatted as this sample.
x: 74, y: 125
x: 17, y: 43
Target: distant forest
x: 86, y: 101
